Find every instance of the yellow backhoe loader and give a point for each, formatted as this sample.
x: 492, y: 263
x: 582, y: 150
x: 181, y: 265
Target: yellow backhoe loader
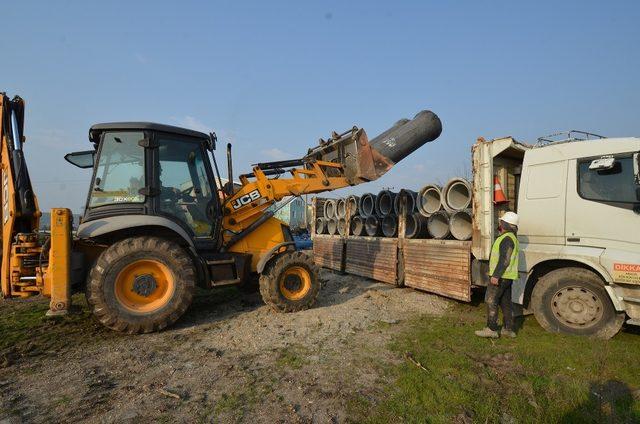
x: 155, y: 225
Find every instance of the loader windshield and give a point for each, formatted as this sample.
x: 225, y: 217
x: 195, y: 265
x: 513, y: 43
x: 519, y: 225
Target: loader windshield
x: 120, y: 172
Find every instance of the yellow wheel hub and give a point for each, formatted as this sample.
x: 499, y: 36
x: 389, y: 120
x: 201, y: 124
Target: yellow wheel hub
x: 144, y: 286
x: 295, y: 283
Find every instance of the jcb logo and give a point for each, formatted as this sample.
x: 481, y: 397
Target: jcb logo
x: 246, y: 199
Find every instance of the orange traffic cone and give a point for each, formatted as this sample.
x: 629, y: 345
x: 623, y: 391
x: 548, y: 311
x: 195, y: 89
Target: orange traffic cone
x: 498, y: 194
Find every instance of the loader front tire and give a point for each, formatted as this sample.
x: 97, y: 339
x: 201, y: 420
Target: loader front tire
x: 141, y: 285
x: 290, y: 282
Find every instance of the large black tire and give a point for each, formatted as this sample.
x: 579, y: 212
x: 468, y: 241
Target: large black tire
x: 290, y: 282
x: 574, y: 301
x: 141, y: 285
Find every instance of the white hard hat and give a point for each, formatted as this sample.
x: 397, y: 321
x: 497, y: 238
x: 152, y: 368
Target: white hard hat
x: 510, y: 218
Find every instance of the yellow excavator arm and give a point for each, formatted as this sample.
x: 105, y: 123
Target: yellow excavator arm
x: 27, y: 268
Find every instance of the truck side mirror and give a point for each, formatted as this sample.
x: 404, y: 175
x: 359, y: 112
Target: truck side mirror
x: 603, y: 163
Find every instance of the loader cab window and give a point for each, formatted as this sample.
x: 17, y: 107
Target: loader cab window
x: 120, y: 172
x: 607, y: 180
x: 185, y: 191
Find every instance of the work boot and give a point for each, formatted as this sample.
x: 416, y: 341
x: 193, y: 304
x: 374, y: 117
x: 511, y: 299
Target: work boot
x: 487, y: 333
x: 508, y: 333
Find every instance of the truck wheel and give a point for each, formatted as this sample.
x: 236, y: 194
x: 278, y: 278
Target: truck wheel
x: 140, y: 285
x: 574, y: 301
x: 290, y: 282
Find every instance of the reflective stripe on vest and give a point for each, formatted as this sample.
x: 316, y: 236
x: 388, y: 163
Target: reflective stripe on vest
x: 511, y: 273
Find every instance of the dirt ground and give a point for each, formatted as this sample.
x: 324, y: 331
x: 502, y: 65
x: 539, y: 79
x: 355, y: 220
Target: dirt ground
x: 229, y: 359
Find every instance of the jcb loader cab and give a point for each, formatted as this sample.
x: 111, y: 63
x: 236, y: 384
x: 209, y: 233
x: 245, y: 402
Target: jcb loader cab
x: 154, y: 214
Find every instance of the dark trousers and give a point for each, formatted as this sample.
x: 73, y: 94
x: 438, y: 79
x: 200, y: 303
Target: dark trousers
x: 495, y: 296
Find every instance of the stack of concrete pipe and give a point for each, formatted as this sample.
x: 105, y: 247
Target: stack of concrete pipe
x: 447, y: 209
x: 433, y: 212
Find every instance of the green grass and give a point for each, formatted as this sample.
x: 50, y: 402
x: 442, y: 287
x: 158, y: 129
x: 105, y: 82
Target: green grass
x: 538, y: 377
x: 27, y: 332
x: 291, y: 358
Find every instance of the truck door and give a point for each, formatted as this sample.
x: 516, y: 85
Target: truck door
x: 600, y: 208
x: 541, y: 203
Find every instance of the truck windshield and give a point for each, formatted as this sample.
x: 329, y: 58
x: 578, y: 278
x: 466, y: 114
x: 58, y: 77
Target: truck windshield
x: 120, y: 172
x: 608, y: 185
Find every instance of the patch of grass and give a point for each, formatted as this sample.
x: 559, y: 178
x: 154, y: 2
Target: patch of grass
x: 538, y: 377
x: 291, y: 358
x: 228, y: 403
x: 26, y: 331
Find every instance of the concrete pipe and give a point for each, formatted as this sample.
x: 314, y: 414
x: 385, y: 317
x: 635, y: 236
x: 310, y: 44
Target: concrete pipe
x: 341, y: 208
x: 438, y: 225
x: 352, y: 203
x: 332, y: 226
x: 429, y: 199
x: 357, y: 225
x: 390, y: 226
x: 384, y: 203
x: 372, y: 226
x: 343, y: 228
x: 460, y: 225
x: 411, y: 201
x: 330, y: 209
x: 320, y: 207
x: 321, y: 226
x: 367, y: 205
x: 456, y: 195
x: 405, y: 136
x: 416, y: 226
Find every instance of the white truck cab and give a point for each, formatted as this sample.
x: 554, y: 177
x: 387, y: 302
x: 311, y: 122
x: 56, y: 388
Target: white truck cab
x: 579, y: 207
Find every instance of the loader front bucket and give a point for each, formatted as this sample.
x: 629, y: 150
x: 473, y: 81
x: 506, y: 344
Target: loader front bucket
x: 363, y: 160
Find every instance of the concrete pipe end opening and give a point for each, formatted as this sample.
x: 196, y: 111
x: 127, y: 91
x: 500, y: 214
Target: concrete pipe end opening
x: 390, y: 226
x: 438, y: 225
x: 430, y: 200
x: 372, y: 226
x: 461, y: 225
x: 330, y: 209
x: 332, y: 226
x: 367, y: 205
x: 457, y: 194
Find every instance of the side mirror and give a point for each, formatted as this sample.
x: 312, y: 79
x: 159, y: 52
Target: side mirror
x: 82, y: 160
x: 604, y: 163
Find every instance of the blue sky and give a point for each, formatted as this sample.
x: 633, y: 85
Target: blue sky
x: 273, y: 77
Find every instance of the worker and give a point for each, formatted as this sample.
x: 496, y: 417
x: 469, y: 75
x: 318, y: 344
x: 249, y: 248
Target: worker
x: 503, y: 269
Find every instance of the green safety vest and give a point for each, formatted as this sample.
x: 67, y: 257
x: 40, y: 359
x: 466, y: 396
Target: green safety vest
x: 511, y: 273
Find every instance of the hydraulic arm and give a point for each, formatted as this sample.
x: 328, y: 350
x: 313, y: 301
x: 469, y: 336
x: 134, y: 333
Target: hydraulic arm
x: 342, y: 160
x: 27, y: 268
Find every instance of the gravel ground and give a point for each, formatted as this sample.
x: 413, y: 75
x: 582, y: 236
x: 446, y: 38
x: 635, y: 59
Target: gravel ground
x: 230, y: 359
